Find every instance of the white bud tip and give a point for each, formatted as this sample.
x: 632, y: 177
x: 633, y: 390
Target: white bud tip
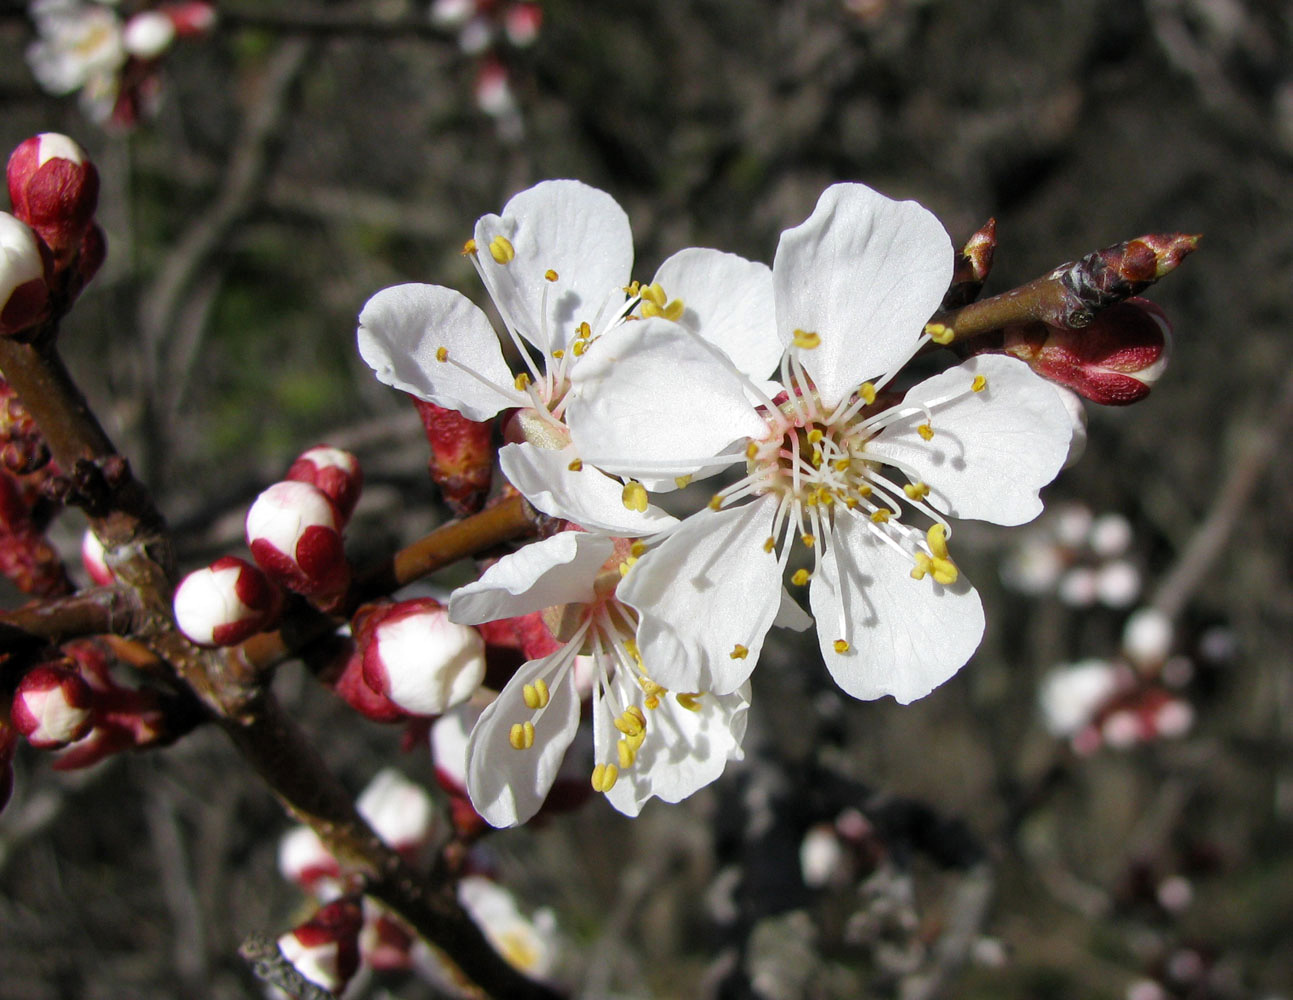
x: 431, y: 663
x: 398, y: 810
x: 206, y: 600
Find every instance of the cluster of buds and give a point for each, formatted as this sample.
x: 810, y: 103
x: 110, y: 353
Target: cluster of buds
x: 1082, y: 558
x: 88, y: 47
x: 50, y: 247
x: 485, y: 29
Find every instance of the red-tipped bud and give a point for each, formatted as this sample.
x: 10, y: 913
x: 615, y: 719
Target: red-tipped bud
x: 190, y: 18
x: 333, y: 471
x: 54, y: 189
x: 399, y: 811
x: 1115, y: 360
x: 94, y: 560
x: 521, y: 23
x: 462, y: 459
x: 94, y: 251
x: 303, y: 859
x: 386, y: 943
x: 351, y: 688
x: 226, y: 603
x: 415, y: 656
x: 148, y: 34
x: 294, y: 532
x: 52, y: 707
x: 325, y: 949
x: 24, y: 290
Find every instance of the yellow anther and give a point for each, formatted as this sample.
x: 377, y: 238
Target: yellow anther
x: 584, y: 330
x: 813, y: 499
x: 739, y: 652
x: 674, y: 310
x: 801, y: 577
x: 808, y: 539
x: 541, y: 688
x: 631, y: 721
x: 626, y: 754
x: 862, y: 489
x: 689, y: 701
x: 979, y: 384
x: 940, y: 333
x: 627, y: 565
x: 637, y: 549
x: 926, y: 431
x: 636, y: 713
x: 867, y: 391
x: 936, y: 536
x: 916, y: 491
x: 501, y: 249
x: 842, y: 464
x: 558, y: 354
x: 769, y: 544
x: 579, y: 347
x: 521, y: 381
x: 469, y: 248
x: 576, y: 466
x: 806, y: 340
x: 841, y: 646
x: 751, y: 450
x: 716, y: 501
x: 944, y: 571
x: 881, y: 516
x: 521, y: 735
x: 531, y: 696
x: 635, y: 496
x: 652, y: 701
x: 442, y: 354
x: 550, y: 274
x: 851, y: 503
x: 815, y: 435
x: 817, y: 458
x: 631, y: 647
x: 682, y: 481
x: 922, y: 566
x: 654, y: 294
x: 632, y: 288
x: 604, y: 776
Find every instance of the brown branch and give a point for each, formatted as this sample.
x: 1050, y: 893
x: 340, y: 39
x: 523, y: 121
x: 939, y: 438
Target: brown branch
x: 96, y: 611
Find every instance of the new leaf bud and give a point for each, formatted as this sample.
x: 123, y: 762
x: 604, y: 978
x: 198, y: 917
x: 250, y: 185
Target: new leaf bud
x: 335, y: 472
x: 52, y: 707
x: 419, y: 659
x: 54, y: 189
x: 462, y: 458
x: 225, y: 603
x: 325, y: 949
x: 294, y: 533
x: 24, y: 290
x: 1115, y: 360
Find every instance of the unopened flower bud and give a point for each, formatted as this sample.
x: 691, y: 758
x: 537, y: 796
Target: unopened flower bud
x: 190, y: 18
x: 303, y: 859
x: 462, y: 459
x: 386, y: 943
x: 399, y: 811
x: 225, y: 603
x: 294, y: 532
x: 54, y: 189
x: 1115, y: 360
x: 52, y: 707
x: 325, y: 949
x: 335, y: 472
x: 351, y: 688
x: 148, y: 34
x: 972, y: 265
x: 1147, y: 637
x: 24, y: 291
x: 521, y: 23
x: 414, y: 655
x: 94, y: 560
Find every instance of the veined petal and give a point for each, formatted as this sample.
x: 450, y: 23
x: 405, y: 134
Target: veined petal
x: 557, y: 570
x: 506, y: 785
x: 864, y: 273
x: 706, y: 597
x: 684, y: 750
x: 649, y: 392
x: 790, y: 615
x: 401, y: 332
x: 566, y: 227
x: 583, y: 495
x: 727, y: 300
x: 992, y: 451
x: 905, y: 637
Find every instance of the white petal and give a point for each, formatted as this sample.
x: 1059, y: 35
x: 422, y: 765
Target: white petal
x: 707, y: 588
x: 864, y: 273
x: 650, y: 392
x: 683, y: 751
x: 790, y: 615
x: 567, y: 227
x: 586, y: 497
x: 507, y: 786
x: 906, y: 636
x: 728, y: 301
x: 556, y: 570
x: 401, y: 329
x: 992, y: 451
